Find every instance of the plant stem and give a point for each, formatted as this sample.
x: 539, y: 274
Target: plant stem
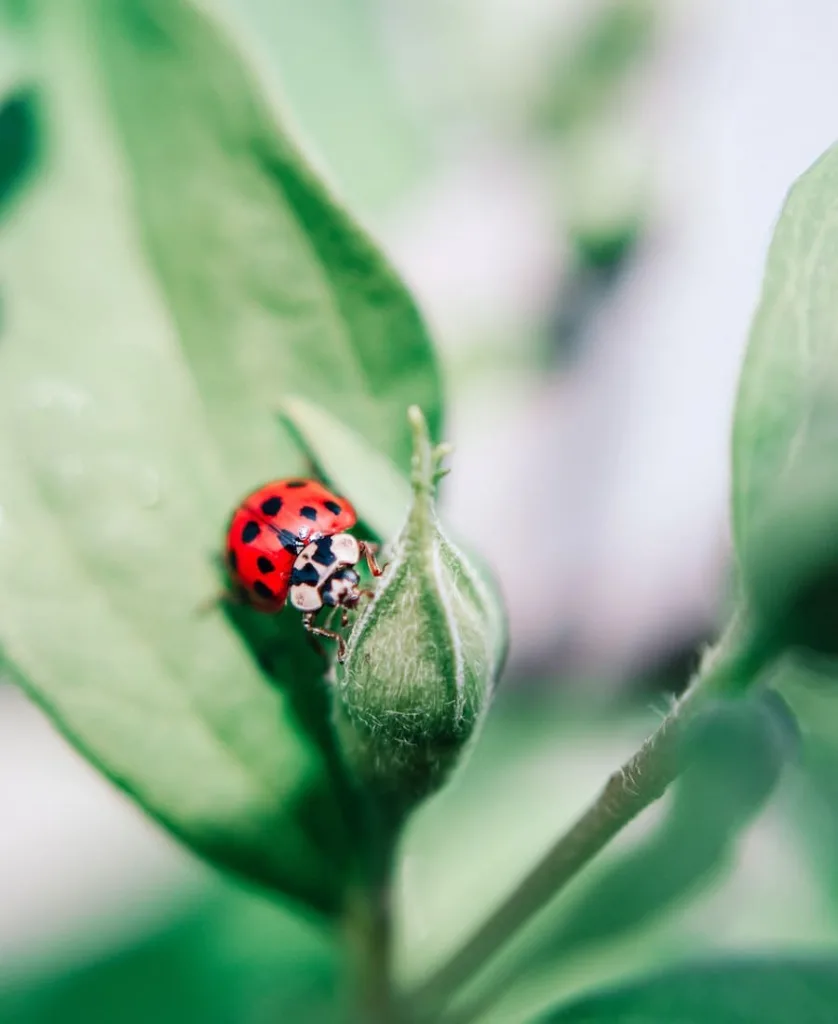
x: 369, y: 928
x: 370, y: 943
x: 725, y: 670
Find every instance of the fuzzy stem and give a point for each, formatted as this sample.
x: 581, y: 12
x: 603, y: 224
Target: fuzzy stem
x: 368, y: 930
x: 726, y: 670
x: 369, y: 942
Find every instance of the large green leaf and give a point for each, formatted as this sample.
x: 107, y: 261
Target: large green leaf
x: 173, y: 270
x: 350, y: 101
x: 275, y: 254
x: 229, y: 956
x: 768, y: 990
x: 785, y: 487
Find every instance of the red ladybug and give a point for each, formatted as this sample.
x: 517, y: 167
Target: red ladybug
x: 289, y: 538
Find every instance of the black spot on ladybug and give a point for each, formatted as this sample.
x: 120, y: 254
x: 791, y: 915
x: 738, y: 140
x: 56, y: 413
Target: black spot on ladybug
x: 329, y: 598
x: 333, y: 507
x: 324, y: 554
x: 307, y: 574
x: 265, y: 565
x: 307, y: 512
x: 250, y: 532
x: 296, y: 483
x: 263, y: 591
x: 270, y: 506
x: 289, y: 541
x: 347, y: 574
x: 232, y: 560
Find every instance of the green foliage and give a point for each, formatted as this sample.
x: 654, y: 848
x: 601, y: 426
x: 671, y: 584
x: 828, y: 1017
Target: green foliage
x: 768, y: 990
x: 341, y: 84
x: 380, y: 493
x: 232, y: 957
x: 738, y: 754
x: 187, y: 313
x: 609, y: 47
x: 260, y: 249
x: 172, y: 271
x: 18, y: 143
x: 785, y: 489
x: 382, y: 496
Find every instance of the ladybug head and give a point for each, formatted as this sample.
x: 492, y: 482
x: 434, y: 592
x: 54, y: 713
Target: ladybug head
x: 324, y: 574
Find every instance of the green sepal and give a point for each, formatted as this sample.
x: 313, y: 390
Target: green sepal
x: 423, y: 658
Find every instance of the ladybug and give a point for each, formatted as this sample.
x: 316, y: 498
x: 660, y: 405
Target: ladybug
x: 288, y: 539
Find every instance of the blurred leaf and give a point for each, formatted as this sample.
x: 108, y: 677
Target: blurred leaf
x: 260, y: 250
x: 813, y: 804
x: 738, y: 753
x: 769, y: 990
x: 785, y: 488
x: 172, y: 273
x: 18, y: 143
x: 816, y: 817
x: 234, y: 959
x: 342, y: 81
x: 535, y: 767
x: 380, y: 493
x: 610, y: 46
x: 582, y: 292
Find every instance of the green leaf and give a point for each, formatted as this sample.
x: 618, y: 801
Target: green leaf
x: 477, y: 838
x: 740, y: 750
x: 785, y: 488
x: 18, y: 143
x: 276, y: 254
x: 594, y: 70
x: 771, y: 990
x: 174, y: 271
x: 350, y: 102
x: 380, y: 493
x: 225, y: 958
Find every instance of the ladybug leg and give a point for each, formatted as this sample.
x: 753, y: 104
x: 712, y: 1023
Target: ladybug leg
x: 368, y: 550
x: 330, y: 634
x: 318, y: 648
x: 221, y: 598
x: 209, y: 604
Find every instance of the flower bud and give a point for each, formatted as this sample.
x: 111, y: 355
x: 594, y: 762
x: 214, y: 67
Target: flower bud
x: 423, y: 657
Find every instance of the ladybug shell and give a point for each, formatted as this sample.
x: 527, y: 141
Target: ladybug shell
x: 270, y: 528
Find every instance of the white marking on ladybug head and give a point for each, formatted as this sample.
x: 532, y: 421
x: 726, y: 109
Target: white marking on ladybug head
x: 346, y: 549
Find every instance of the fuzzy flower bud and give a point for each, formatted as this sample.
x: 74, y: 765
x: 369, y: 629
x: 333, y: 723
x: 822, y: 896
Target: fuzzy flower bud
x: 423, y: 657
